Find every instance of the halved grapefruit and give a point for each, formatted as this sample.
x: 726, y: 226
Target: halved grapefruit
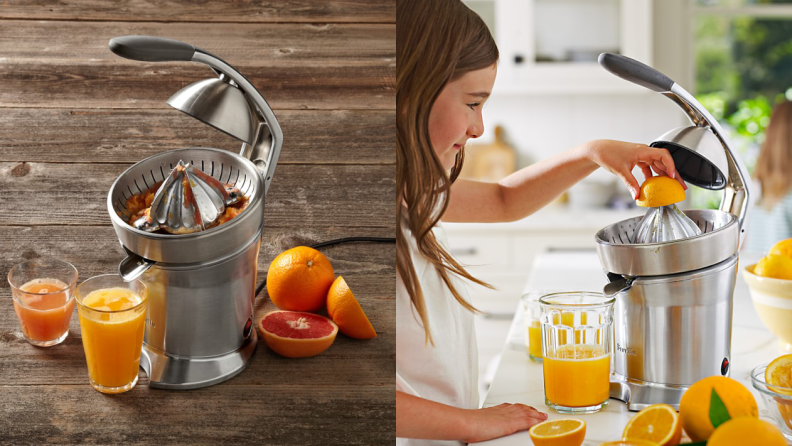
x: 296, y: 334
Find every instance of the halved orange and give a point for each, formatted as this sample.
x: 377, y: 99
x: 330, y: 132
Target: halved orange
x: 560, y: 432
x: 660, y: 191
x: 296, y: 334
x: 658, y: 423
x: 778, y: 376
x: 345, y: 310
x: 779, y: 373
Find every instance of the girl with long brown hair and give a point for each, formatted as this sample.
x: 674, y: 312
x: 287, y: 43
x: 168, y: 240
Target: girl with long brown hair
x: 447, y: 62
x: 772, y: 219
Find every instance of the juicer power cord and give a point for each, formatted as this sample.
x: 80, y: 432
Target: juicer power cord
x: 335, y: 242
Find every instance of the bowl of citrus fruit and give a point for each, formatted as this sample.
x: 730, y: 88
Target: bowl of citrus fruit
x: 770, y: 284
x: 774, y: 383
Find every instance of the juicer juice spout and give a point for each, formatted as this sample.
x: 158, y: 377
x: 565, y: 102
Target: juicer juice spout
x: 617, y: 284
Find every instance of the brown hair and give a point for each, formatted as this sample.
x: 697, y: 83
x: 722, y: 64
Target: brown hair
x: 774, y: 166
x: 437, y: 41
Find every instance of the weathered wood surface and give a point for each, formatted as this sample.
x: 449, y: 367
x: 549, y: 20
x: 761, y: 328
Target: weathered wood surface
x: 73, y: 116
x: 306, y: 195
x: 260, y: 11
x: 127, y: 136
x: 327, y: 66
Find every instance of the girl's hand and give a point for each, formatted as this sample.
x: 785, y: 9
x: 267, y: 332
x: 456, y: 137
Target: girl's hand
x: 500, y: 420
x: 620, y: 158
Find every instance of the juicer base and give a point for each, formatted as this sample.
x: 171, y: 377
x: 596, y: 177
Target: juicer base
x: 640, y: 396
x: 168, y: 372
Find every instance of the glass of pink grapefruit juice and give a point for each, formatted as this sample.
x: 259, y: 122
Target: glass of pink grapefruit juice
x: 43, y: 296
x: 576, y: 345
x: 112, y: 316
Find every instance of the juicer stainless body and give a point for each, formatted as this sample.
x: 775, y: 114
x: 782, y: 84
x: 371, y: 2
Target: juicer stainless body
x: 674, y: 300
x: 670, y: 329
x: 199, y: 321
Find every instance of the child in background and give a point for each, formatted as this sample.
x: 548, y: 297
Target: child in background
x: 447, y: 62
x: 771, y: 220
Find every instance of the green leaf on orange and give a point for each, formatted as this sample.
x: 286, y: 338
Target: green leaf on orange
x: 717, y: 412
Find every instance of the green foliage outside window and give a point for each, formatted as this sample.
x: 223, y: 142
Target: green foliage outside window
x: 743, y: 68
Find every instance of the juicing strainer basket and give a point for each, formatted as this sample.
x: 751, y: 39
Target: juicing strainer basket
x: 213, y: 243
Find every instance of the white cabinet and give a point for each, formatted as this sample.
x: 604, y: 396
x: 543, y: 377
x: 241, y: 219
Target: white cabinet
x: 551, y: 46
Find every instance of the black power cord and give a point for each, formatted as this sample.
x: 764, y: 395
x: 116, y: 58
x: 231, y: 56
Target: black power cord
x: 335, y: 242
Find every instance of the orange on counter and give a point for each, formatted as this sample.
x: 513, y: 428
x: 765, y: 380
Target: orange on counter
x: 298, y: 279
x: 742, y: 431
x: 658, y: 423
x: 560, y: 432
x: 346, y: 311
x: 694, y: 408
x: 660, y: 191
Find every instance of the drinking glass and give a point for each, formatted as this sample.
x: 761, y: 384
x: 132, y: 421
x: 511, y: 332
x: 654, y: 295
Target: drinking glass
x: 112, y: 321
x: 577, y: 329
x: 43, y: 295
x: 532, y: 326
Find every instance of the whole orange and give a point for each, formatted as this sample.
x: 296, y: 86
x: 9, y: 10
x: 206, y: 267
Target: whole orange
x: 694, y: 408
x: 298, y: 279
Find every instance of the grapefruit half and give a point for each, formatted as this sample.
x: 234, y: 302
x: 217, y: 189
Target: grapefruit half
x: 296, y: 334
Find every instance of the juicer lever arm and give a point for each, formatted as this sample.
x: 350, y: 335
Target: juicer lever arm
x: 151, y: 49
x: 266, y: 150
x: 635, y: 72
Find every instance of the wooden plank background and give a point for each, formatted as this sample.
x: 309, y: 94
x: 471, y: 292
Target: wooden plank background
x: 73, y: 116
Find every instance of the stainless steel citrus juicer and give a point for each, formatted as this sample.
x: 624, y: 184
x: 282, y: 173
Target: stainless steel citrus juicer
x: 673, y: 310
x: 199, y: 326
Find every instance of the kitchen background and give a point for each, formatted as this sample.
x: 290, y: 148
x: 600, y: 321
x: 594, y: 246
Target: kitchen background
x: 551, y: 95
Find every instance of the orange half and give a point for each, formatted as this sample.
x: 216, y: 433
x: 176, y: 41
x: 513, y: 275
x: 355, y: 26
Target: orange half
x: 660, y: 191
x: 561, y: 432
x: 346, y: 312
x: 658, y: 423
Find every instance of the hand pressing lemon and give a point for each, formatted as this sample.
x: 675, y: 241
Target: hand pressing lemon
x: 660, y: 191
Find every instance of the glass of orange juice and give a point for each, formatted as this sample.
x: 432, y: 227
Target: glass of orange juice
x: 533, y: 329
x: 577, y: 330
x: 112, y: 321
x: 43, y: 295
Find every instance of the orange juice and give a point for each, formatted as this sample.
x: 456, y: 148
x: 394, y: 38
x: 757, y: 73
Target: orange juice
x: 45, y: 309
x: 535, y: 339
x: 577, y: 376
x: 112, y: 336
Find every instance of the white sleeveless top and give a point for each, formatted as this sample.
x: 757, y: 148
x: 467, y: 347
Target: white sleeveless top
x: 448, y: 371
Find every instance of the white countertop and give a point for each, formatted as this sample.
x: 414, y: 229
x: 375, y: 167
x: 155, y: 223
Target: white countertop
x: 519, y: 380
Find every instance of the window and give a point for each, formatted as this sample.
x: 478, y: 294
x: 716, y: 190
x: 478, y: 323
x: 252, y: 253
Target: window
x: 743, y: 67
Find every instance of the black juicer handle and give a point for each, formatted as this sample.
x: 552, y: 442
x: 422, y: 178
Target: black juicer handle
x: 635, y: 72
x: 151, y: 49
